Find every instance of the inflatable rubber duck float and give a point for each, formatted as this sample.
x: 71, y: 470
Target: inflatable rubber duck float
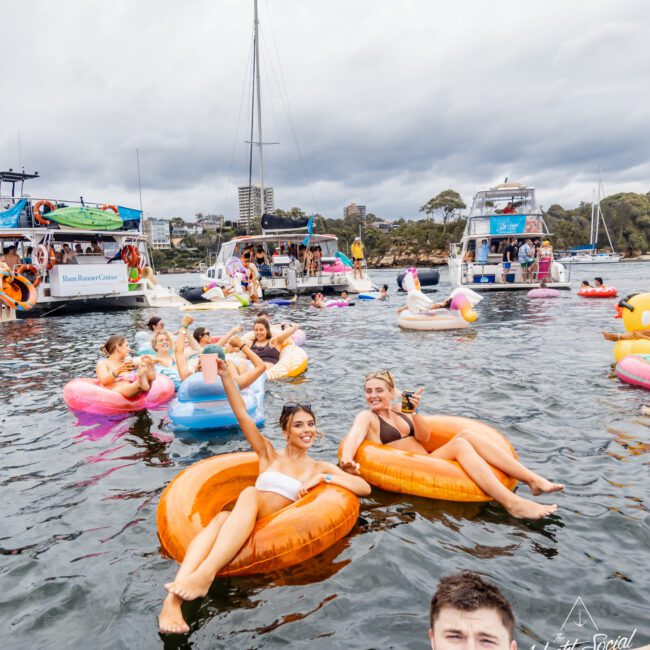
x: 422, y: 314
x: 634, y: 310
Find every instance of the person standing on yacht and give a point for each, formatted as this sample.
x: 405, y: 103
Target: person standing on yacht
x: 527, y: 260
x: 357, y: 258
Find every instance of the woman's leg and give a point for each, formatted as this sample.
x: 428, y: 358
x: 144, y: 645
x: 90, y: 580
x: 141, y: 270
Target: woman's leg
x: 234, y: 532
x: 127, y: 388
x: 461, y: 450
x: 170, y: 619
x: 501, y: 459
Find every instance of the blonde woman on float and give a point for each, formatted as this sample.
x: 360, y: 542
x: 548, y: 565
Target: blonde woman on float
x: 383, y: 424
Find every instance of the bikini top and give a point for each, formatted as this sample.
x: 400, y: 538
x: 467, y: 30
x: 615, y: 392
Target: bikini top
x: 279, y: 483
x: 388, y: 433
x: 267, y: 353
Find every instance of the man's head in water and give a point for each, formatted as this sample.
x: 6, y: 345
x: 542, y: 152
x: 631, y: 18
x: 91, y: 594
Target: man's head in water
x: 585, y: 284
x: 467, y: 612
x: 344, y: 295
x: 598, y: 282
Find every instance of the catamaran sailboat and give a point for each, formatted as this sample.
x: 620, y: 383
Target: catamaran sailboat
x: 588, y: 254
x: 507, y: 211
x: 284, y: 269
x: 72, y: 256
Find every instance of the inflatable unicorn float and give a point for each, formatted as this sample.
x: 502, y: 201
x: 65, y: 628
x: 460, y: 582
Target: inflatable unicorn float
x: 419, y: 314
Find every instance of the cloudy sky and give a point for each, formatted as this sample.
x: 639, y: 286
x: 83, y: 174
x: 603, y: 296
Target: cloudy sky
x: 390, y: 101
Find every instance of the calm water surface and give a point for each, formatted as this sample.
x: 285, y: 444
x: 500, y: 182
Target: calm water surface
x: 81, y: 565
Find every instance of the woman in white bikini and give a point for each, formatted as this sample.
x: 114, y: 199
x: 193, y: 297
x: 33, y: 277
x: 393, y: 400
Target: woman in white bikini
x: 284, y: 477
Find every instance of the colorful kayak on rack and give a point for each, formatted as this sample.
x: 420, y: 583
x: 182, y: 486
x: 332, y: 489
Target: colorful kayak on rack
x: 86, y: 218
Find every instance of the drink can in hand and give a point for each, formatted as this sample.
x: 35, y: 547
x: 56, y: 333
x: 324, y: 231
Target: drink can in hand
x: 407, y: 405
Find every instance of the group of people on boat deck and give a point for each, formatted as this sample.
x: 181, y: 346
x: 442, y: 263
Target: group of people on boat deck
x: 309, y: 257
x: 534, y: 257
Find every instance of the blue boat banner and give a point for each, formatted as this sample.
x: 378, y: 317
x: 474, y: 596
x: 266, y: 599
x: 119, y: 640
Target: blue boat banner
x: 9, y: 218
x: 129, y: 214
x: 508, y: 224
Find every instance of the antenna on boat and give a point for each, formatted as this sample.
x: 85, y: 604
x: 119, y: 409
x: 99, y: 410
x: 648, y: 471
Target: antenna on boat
x: 137, y: 158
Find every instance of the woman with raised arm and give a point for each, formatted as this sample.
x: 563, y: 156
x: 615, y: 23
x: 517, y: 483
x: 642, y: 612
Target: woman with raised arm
x: 243, y: 377
x: 285, y: 476
x: 383, y: 424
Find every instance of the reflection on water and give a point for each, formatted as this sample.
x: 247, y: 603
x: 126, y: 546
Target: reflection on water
x: 80, y: 492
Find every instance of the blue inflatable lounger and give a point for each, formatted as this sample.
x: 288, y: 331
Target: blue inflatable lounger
x: 205, y: 406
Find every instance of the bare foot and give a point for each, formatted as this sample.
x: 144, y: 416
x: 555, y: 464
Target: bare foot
x: 196, y: 585
x: 145, y: 386
x: 542, y: 486
x: 526, y: 509
x: 150, y: 369
x: 170, y: 619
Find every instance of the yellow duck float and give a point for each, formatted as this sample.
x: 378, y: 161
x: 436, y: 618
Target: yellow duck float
x: 635, y: 312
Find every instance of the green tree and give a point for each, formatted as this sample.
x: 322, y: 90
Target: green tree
x: 446, y: 204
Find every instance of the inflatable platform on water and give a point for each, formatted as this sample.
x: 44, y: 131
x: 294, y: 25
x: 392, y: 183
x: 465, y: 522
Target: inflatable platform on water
x: 543, y: 292
x: 395, y: 470
x: 89, y: 396
x: 290, y: 536
x: 205, y: 406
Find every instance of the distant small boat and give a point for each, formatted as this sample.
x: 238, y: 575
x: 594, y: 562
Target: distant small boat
x: 86, y: 218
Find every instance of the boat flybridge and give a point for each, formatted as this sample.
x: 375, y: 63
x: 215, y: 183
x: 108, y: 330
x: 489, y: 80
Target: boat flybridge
x: 507, y: 211
x: 62, y: 257
x: 283, y: 244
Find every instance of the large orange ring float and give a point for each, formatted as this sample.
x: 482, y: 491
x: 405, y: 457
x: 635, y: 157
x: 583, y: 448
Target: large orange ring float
x: 17, y: 292
x: 114, y: 208
x: 287, y: 537
x: 395, y: 470
x: 598, y: 292
x: 29, y: 268
x: 37, y: 211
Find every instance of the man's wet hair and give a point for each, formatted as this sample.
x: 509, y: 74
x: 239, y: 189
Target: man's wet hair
x: 468, y: 592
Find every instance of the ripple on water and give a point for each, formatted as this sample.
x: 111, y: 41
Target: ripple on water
x: 79, y: 546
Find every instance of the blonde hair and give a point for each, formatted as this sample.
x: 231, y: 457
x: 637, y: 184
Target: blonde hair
x: 386, y: 377
x: 164, y: 333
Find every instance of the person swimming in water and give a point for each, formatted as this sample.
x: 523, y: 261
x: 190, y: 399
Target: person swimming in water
x: 285, y: 476
x: 382, y: 424
x: 317, y: 300
x: 383, y: 293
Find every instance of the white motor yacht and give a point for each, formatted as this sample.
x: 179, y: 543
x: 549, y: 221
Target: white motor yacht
x: 507, y: 211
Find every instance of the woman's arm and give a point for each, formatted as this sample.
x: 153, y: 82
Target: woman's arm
x: 420, y: 426
x: 336, y: 476
x: 179, y: 354
x: 245, y: 379
x: 107, y: 377
x: 261, y: 445
x: 353, y: 441
x: 284, y: 335
x: 226, y: 337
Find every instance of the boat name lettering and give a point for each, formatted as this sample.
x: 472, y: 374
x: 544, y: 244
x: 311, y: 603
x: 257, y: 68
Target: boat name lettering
x: 100, y: 277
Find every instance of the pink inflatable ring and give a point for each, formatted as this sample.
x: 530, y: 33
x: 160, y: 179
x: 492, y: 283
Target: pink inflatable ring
x: 543, y: 292
x: 89, y: 396
x: 635, y: 370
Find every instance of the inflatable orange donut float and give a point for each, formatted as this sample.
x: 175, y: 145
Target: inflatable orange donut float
x: 395, y: 470
x: 287, y: 537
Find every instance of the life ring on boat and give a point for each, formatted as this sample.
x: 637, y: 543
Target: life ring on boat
x: 635, y: 370
x: 598, y: 292
x: 395, y: 470
x: 135, y: 275
x: 37, y: 211
x: 29, y: 268
x: 90, y: 396
x: 41, y: 256
x: 17, y: 292
x: 114, y: 208
x: 285, y: 538
x: 131, y: 256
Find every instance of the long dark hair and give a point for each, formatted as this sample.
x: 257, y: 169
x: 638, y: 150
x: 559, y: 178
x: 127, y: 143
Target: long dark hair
x: 263, y: 321
x: 288, y: 413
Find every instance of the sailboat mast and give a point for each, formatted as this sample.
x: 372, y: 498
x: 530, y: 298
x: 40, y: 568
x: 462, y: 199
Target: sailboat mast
x: 598, y: 213
x: 259, y: 109
x: 591, y: 227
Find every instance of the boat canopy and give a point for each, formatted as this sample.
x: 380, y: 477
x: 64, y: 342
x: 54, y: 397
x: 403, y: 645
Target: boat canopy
x: 273, y: 223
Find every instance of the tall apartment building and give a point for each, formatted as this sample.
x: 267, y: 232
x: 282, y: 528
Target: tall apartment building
x: 250, y: 202
x: 158, y: 233
x: 354, y: 210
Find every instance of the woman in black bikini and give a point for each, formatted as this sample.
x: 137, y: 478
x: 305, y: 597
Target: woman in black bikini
x: 266, y: 346
x: 386, y: 425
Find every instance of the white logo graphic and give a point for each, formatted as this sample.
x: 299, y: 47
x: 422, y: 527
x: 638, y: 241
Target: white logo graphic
x: 580, y: 630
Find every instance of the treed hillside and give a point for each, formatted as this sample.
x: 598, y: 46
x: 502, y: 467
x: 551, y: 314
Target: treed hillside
x: 426, y: 241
